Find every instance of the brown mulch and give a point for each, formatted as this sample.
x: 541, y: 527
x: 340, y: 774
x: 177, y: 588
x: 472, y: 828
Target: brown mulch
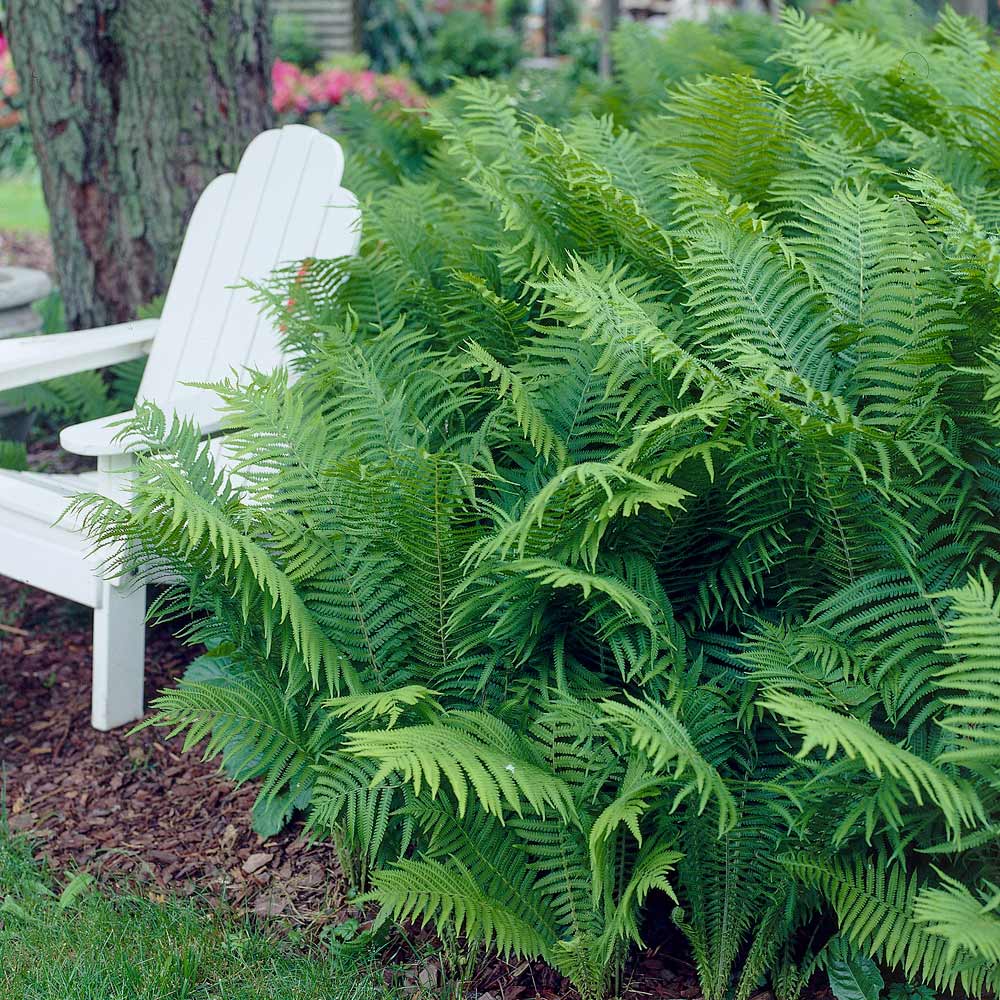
x: 26, y: 250
x: 134, y: 805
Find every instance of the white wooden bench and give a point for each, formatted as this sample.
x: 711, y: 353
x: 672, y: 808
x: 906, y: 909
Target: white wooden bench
x: 283, y: 204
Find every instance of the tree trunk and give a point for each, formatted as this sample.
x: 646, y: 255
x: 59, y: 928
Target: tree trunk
x: 134, y: 106
x: 972, y: 8
x: 609, y: 21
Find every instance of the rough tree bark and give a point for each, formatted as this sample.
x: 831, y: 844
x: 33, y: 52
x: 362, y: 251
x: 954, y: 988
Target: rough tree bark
x: 134, y: 106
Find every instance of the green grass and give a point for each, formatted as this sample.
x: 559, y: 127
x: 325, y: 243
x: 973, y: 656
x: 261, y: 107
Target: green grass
x: 22, y: 206
x: 62, y: 939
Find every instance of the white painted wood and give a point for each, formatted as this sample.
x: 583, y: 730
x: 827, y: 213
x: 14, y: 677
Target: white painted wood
x: 27, y: 360
x: 54, y: 560
x: 119, y: 626
x: 104, y: 436
x: 284, y: 204
x: 119, y: 656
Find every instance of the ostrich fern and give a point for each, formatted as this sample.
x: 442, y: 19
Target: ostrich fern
x: 631, y: 525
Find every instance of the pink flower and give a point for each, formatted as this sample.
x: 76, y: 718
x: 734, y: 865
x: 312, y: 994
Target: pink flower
x: 8, y: 78
x: 295, y: 91
x: 288, y: 83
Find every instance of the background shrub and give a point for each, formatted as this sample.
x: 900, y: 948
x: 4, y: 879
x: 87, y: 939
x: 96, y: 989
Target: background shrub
x: 465, y: 44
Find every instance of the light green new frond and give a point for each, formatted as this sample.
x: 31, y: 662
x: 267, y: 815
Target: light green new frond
x: 820, y: 52
x: 428, y: 755
x: 179, y: 516
x: 603, y: 214
x: 570, y: 515
x: 734, y: 130
x: 248, y: 721
x: 967, y: 35
x: 832, y: 732
x: 390, y: 705
x: 844, y: 241
x: 645, y: 342
x: 661, y: 736
x: 347, y: 805
x: 557, y: 576
x: 752, y: 304
x: 969, y: 925
x: 632, y: 166
x: 584, y: 961
x: 495, y: 853
x: 633, y: 800
x: 530, y: 417
x: 976, y: 252
x: 874, y: 899
x: 653, y: 868
x: 971, y: 684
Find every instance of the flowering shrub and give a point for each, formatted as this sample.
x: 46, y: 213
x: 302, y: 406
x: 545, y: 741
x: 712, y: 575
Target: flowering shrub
x: 8, y: 86
x: 296, y: 91
x: 15, y: 138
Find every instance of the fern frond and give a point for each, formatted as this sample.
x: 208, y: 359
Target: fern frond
x: 820, y: 727
x: 449, y: 896
x: 424, y: 755
x: 659, y: 734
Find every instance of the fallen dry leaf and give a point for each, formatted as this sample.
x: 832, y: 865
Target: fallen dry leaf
x: 257, y: 861
x: 271, y: 904
x: 229, y: 837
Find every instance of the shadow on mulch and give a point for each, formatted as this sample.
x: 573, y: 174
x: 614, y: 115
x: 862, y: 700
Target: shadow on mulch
x: 134, y: 806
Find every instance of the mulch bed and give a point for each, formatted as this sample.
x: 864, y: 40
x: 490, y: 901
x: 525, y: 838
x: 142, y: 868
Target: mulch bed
x: 134, y: 805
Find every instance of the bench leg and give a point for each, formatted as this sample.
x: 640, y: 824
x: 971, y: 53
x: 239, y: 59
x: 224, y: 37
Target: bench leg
x: 119, y: 656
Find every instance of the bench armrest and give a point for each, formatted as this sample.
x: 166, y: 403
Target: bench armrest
x: 27, y: 360
x: 101, y: 438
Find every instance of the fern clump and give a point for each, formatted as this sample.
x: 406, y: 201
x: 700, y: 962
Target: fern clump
x: 630, y: 526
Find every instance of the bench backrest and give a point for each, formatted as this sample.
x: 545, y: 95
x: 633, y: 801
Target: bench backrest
x: 283, y: 204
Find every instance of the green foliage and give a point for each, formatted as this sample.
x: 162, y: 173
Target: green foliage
x: 13, y: 455
x: 853, y: 975
x: 630, y: 527
x: 465, y: 44
x: 394, y: 32
x: 292, y: 42
x: 17, y: 155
